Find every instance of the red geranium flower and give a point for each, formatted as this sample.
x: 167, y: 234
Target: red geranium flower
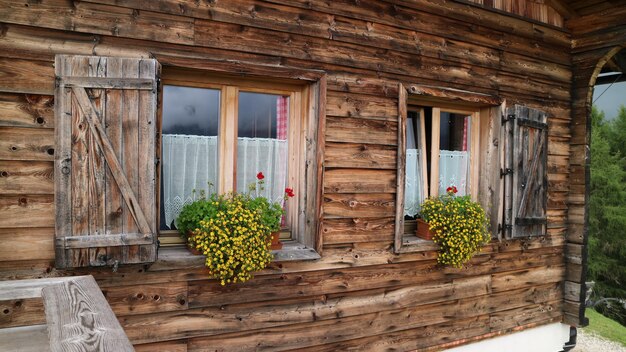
x: 260, y: 176
x: 289, y: 192
x: 451, y: 189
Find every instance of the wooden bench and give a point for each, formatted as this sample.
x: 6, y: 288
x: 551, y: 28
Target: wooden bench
x: 58, y: 314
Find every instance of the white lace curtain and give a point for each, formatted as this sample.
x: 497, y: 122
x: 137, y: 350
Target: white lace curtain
x: 190, y: 163
x: 413, y: 193
x: 453, y: 171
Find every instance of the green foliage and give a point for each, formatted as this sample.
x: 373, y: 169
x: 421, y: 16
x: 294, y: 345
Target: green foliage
x: 607, y: 206
x: 459, y: 225
x: 605, y: 327
x: 271, y: 213
x: 202, y: 209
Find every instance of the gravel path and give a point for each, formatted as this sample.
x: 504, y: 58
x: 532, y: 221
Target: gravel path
x: 588, y: 342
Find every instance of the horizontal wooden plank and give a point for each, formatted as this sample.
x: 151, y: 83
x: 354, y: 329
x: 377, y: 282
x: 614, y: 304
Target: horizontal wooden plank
x: 357, y: 230
x: 358, y: 205
x: 26, y: 76
x: 359, y: 181
x: 75, y: 309
x: 109, y: 83
x: 26, y: 243
x: 32, y: 338
x: 23, y: 289
x: 26, y: 110
x: 454, y: 95
x: 535, y: 276
x: 26, y: 211
x: 352, y: 155
x: 17, y: 143
x: 143, y: 299
x: 365, y: 106
x: 354, y: 326
x: 21, y: 312
x: 26, y: 177
x: 104, y: 240
x: 100, y: 19
x: 167, y: 346
x: 354, y: 130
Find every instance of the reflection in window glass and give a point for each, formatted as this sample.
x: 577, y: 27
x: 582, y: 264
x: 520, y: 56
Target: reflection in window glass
x: 190, y: 126
x: 454, y: 152
x: 262, y: 142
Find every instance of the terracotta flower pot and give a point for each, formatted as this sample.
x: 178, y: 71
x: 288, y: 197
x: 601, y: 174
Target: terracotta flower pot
x: 423, y: 230
x: 276, y: 244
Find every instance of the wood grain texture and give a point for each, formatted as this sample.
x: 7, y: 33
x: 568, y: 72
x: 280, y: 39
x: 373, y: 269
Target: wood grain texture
x: 18, y: 143
x: 20, y: 177
x: 78, y: 318
x: 26, y: 110
x: 94, y: 156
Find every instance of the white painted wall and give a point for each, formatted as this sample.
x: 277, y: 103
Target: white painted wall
x: 546, y: 338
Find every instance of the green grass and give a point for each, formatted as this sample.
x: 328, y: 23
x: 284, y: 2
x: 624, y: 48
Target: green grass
x: 605, y: 327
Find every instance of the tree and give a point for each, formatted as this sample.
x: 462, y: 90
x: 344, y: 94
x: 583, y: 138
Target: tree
x: 607, y: 206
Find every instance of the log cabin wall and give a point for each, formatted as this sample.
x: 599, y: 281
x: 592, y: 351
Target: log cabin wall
x: 359, y: 294
x: 596, y: 38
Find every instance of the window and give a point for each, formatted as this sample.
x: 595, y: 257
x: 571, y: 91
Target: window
x: 441, y: 151
x: 469, y: 140
x: 447, y: 138
x: 219, y: 132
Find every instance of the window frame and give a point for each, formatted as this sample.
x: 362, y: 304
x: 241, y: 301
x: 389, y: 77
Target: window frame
x: 484, y: 150
x: 306, y: 100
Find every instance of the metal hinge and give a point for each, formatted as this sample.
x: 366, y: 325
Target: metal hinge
x: 504, y: 172
x: 507, y: 118
x: 507, y: 227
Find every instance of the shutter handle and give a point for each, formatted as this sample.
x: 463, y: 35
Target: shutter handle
x: 116, y: 264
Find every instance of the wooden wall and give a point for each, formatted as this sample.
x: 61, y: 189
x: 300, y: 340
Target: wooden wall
x: 595, y: 39
x: 359, y: 295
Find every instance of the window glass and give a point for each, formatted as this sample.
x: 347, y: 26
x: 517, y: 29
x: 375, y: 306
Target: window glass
x: 454, y: 152
x: 262, y: 143
x: 189, y: 154
x: 413, y: 188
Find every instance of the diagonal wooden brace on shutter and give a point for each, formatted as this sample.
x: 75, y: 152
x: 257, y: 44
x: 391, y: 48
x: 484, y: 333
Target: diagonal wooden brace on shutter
x: 105, y: 174
x: 97, y: 130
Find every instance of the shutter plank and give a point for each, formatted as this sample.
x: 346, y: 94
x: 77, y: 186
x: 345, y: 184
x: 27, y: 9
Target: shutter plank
x: 130, y: 129
x: 62, y: 161
x: 146, y: 165
x: 99, y: 137
x: 80, y: 167
x: 113, y: 126
x: 532, y: 170
x: 97, y: 194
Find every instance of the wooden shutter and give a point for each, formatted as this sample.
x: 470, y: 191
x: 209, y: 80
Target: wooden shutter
x: 105, y: 161
x: 525, y: 172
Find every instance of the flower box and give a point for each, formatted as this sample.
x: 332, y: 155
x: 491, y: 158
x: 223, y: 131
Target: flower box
x: 276, y: 243
x: 423, y: 230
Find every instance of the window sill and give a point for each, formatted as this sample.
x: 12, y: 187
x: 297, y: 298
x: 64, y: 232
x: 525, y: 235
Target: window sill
x: 179, y: 258
x: 412, y: 244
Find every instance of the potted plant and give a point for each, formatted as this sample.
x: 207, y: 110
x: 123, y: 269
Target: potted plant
x: 271, y: 211
x: 459, y: 226
x: 234, y: 239
x: 233, y: 231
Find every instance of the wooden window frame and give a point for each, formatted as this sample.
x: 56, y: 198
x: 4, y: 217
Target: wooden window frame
x: 485, y: 112
x: 305, y: 144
